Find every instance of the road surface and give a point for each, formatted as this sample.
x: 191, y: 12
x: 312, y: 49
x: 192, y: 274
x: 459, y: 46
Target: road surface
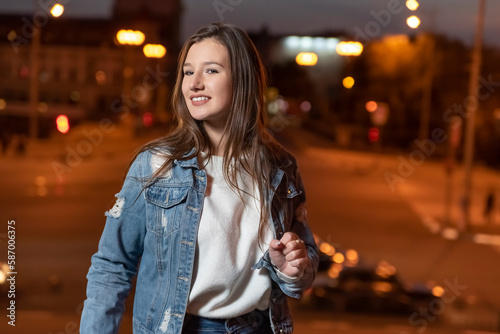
x: 59, y: 215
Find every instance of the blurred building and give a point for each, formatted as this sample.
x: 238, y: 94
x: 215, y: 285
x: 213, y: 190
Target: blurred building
x: 309, y: 88
x: 82, y: 69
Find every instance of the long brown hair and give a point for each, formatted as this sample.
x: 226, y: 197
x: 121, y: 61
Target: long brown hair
x: 248, y: 141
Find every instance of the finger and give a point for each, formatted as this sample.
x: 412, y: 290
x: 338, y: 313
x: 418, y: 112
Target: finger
x: 288, y: 237
x: 301, y: 263
x: 296, y: 254
x: 294, y: 245
x: 276, y: 245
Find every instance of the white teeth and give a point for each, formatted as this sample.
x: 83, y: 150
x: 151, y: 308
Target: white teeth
x: 200, y: 98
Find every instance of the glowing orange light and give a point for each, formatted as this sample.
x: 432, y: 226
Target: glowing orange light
x: 381, y: 287
x: 371, y: 106
x: 437, y: 291
x: 327, y: 248
x: 348, y: 82
x: 3, y: 273
x: 333, y: 272
x: 352, y: 256
x: 412, y: 4
x: 306, y: 59
x: 413, y: 22
x: 62, y: 123
x: 154, y: 50
x: 130, y: 37
x: 57, y: 10
x: 338, y: 258
x: 349, y: 48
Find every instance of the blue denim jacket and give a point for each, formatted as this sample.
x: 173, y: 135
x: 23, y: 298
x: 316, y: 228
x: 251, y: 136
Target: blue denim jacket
x: 158, y: 227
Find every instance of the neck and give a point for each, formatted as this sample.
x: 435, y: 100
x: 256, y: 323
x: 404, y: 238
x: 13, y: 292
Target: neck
x: 217, y: 141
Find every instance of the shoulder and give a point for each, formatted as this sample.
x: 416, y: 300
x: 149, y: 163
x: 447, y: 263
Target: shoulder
x: 147, y: 161
x: 157, y: 158
x: 283, y: 158
x: 160, y: 161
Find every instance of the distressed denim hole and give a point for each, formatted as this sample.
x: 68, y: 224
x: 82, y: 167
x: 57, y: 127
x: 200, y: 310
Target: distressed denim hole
x: 116, y: 210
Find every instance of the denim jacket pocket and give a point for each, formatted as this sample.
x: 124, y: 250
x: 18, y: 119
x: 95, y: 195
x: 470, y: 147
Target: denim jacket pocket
x: 166, y: 208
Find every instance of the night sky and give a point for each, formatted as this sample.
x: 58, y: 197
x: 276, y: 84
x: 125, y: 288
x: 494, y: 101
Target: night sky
x: 455, y: 18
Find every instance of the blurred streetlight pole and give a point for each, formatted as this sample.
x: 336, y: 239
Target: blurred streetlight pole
x: 427, y: 88
x: 429, y: 47
x: 34, y: 81
x: 471, y: 108
x: 34, y: 85
x: 129, y: 38
x: 156, y: 52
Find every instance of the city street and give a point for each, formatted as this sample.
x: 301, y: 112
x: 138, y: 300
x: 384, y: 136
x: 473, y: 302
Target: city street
x: 58, y: 193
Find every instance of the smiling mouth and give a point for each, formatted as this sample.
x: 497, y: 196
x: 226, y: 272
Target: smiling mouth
x: 201, y: 98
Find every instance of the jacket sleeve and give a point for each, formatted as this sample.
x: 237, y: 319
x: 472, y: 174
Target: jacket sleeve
x: 299, y: 225
x: 115, y: 263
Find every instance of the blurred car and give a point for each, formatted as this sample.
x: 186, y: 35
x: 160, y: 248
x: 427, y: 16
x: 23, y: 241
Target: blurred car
x: 345, y: 283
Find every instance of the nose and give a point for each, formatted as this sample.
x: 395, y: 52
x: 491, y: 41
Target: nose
x: 196, y: 83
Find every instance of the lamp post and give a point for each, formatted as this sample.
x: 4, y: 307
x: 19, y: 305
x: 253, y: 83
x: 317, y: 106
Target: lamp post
x: 348, y: 50
x: 34, y: 82
x: 471, y: 108
x: 425, y: 114
x: 129, y: 38
x: 155, y: 52
x: 414, y: 22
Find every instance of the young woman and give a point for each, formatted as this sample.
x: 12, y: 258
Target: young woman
x: 214, y: 212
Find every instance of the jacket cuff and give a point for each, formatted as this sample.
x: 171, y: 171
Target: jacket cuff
x: 288, y: 279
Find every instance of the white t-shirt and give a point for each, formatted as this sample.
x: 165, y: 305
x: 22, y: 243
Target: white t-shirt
x: 224, y: 285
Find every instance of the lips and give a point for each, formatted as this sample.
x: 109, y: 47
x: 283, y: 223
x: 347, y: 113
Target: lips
x: 199, y: 100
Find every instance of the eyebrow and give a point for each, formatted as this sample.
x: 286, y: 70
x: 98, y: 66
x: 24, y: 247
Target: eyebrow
x: 205, y: 63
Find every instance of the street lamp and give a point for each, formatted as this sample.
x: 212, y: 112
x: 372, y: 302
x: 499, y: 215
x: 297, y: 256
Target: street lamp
x: 34, y: 81
x: 413, y: 22
x: 348, y: 82
x: 412, y: 5
x: 429, y: 47
x: 349, y: 48
x: 154, y: 50
x: 57, y: 10
x: 307, y: 58
x: 471, y: 112
x: 130, y: 37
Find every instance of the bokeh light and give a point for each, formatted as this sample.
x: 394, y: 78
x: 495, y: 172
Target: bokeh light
x: 307, y: 58
x: 413, y: 22
x: 62, y: 123
x: 154, y: 50
x: 349, y: 48
x: 371, y: 106
x: 57, y: 10
x: 130, y: 37
x: 412, y: 5
x: 348, y: 82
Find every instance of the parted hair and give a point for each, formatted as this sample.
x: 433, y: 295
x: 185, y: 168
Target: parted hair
x: 248, y: 144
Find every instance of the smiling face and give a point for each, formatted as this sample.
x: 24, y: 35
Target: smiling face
x: 206, y: 84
